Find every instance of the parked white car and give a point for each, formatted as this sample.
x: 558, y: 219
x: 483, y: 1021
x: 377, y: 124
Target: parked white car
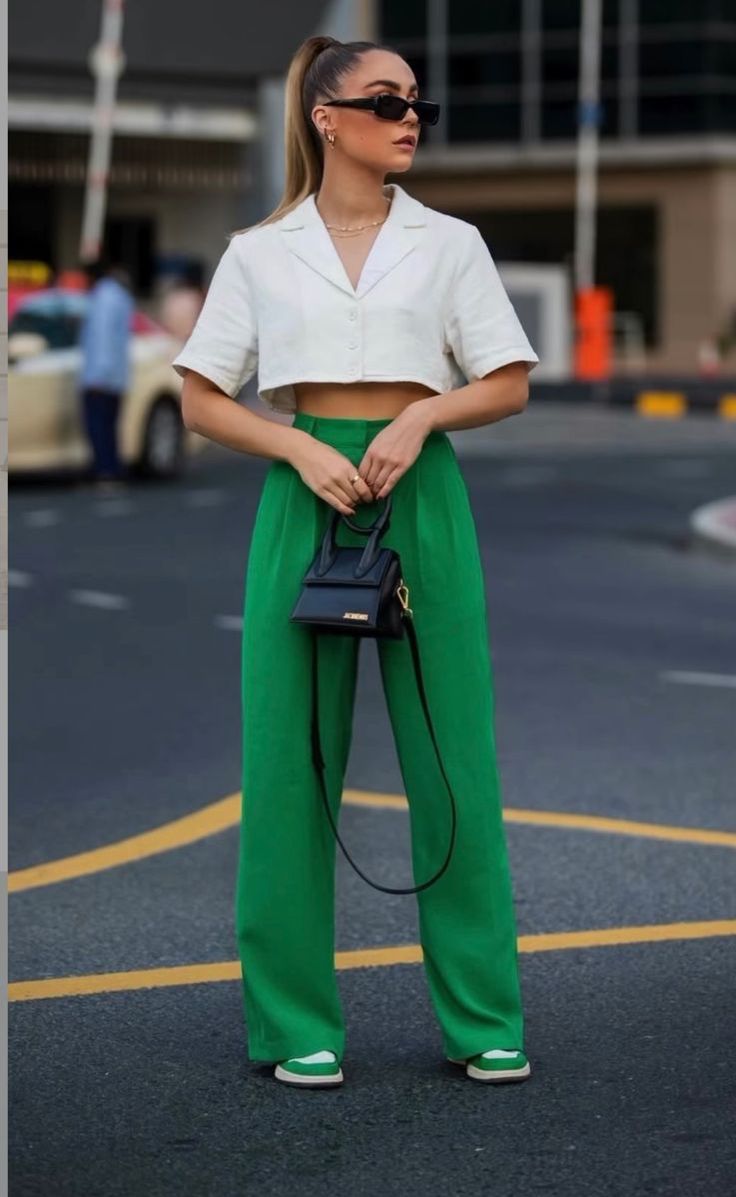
x: 45, y: 420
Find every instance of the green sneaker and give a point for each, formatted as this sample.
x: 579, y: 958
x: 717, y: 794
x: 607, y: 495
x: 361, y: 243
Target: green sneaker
x: 497, y: 1064
x: 319, y: 1069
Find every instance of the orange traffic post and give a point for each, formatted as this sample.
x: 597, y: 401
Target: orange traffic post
x: 594, y: 328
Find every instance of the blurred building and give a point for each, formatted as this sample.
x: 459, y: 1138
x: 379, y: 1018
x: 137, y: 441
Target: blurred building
x: 504, y: 155
x: 198, y: 139
x: 186, y: 161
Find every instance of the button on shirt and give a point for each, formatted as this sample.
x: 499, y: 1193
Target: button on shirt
x: 429, y: 307
x: 105, y: 336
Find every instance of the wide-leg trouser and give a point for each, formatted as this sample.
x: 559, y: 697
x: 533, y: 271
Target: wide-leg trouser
x: 284, y: 903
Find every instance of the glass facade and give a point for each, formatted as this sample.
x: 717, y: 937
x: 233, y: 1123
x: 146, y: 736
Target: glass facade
x: 668, y: 67
x: 628, y: 247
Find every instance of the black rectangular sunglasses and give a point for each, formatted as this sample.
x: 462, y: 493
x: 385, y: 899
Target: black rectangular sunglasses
x: 392, y: 108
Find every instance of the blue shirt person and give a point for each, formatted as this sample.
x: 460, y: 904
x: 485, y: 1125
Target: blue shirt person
x: 105, y: 336
x: 105, y: 342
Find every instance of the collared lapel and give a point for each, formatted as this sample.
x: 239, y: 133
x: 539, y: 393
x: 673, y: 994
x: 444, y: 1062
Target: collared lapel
x: 305, y: 235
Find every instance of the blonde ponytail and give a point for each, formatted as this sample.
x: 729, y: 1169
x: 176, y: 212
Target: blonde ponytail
x: 314, y: 73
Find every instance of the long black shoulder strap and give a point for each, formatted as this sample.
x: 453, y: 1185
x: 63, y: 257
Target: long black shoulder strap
x: 319, y: 760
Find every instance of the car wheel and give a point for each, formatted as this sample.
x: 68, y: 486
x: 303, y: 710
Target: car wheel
x: 163, y: 440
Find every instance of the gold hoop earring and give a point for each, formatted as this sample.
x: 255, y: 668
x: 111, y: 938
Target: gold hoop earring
x: 331, y: 138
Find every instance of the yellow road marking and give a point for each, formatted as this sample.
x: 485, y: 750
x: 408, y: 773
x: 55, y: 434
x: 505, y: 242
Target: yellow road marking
x: 667, y: 404
x: 655, y: 831
x: 221, y: 815
x: 218, y: 816
x: 229, y: 970
x: 727, y: 407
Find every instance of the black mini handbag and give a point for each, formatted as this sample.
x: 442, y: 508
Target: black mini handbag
x: 361, y: 592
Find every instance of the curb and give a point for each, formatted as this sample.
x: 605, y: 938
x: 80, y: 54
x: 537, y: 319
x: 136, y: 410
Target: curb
x: 713, y: 527
x: 656, y: 398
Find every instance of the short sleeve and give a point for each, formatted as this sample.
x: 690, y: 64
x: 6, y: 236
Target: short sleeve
x: 223, y: 345
x: 482, y: 327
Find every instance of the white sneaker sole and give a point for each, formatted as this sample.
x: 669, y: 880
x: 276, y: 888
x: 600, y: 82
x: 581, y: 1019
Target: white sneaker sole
x: 313, y: 1082
x: 498, y: 1074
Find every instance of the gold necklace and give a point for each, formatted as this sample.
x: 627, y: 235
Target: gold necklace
x: 353, y: 232
x: 346, y: 230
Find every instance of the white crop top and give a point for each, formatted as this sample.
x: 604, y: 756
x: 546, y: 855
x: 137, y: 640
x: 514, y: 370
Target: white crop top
x: 429, y: 308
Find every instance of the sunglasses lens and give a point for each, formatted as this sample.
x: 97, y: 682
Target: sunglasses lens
x: 427, y: 112
x: 394, y: 108
x: 391, y: 108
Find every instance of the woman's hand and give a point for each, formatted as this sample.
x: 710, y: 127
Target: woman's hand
x: 328, y: 473
x: 394, y: 449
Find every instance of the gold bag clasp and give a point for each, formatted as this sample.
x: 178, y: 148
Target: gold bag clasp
x: 403, y: 592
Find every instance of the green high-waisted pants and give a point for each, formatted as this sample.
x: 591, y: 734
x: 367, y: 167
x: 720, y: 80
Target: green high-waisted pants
x: 285, y: 894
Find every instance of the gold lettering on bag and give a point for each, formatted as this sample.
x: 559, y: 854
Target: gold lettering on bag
x: 355, y: 615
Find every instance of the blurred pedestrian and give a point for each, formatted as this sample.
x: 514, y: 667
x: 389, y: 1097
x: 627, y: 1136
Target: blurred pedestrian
x: 182, y: 303
x: 105, y: 341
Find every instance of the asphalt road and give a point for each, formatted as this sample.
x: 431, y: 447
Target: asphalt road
x: 614, y: 653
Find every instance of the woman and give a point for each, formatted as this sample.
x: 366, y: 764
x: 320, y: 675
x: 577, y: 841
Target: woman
x: 364, y: 312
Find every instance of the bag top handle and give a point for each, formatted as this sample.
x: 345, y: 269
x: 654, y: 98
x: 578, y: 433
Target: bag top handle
x: 374, y: 531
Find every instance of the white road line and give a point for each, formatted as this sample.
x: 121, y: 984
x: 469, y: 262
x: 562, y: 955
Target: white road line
x: 18, y: 577
x: 44, y: 517
x: 99, y: 598
x: 693, y: 678
x: 115, y: 507
x: 204, y: 498
x: 229, y: 623
x: 526, y: 475
x: 682, y: 469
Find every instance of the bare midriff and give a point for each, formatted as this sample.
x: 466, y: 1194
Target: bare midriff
x: 358, y: 400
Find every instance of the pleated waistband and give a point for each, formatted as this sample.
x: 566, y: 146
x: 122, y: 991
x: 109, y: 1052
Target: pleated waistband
x: 350, y: 430
x: 350, y: 423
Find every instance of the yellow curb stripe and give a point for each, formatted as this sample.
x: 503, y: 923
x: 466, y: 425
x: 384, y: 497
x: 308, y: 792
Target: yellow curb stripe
x: 224, y: 814
x: 667, y: 404
x: 229, y: 970
x: 727, y: 407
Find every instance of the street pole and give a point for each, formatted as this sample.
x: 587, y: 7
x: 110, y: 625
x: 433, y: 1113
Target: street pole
x: 437, y: 18
x: 106, y: 62
x: 593, y: 304
x: 531, y: 72
x: 587, y: 143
